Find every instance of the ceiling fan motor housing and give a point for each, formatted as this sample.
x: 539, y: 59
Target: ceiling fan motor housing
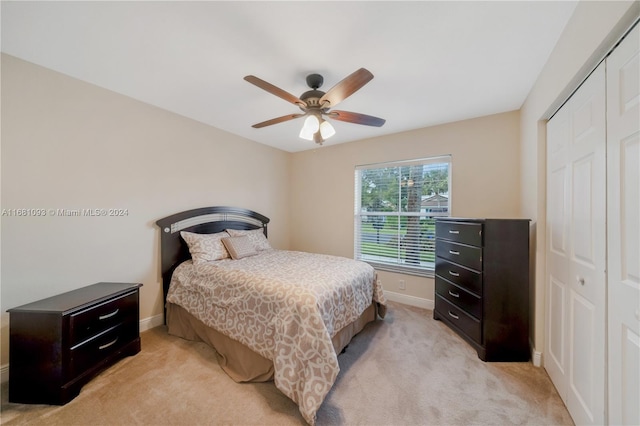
x: 312, y: 98
x: 315, y: 81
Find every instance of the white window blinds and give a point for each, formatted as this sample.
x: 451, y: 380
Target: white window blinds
x: 395, y: 208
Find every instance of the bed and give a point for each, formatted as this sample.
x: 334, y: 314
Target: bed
x: 270, y: 314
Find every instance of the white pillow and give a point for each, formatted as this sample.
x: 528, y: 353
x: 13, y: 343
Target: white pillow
x: 205, y: 247
x: 256, y: 236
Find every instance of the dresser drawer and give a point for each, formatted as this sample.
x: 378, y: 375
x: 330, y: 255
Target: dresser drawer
x: 461, y: 232
x: 467, y: 324
x: 461, y: 254
x: 89, y: 354
x: 469, y: 302
x: 96, y: 319
x: 466, y: 278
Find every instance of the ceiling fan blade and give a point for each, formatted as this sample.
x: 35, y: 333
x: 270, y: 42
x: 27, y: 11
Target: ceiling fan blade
x: 275, y: 90
x: 277, y: 120
x: 346, y: 88
x: 354, y: 117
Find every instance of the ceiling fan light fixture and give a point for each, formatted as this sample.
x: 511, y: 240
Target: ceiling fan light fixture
x: 306, y: 134
x: 312, y: 123
x: 326, y: 129
x: 311, y: 126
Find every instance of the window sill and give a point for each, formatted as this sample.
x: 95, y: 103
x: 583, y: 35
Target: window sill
x: 429, y: 273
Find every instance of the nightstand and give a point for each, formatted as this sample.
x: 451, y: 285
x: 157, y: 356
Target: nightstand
x: 58, y: 344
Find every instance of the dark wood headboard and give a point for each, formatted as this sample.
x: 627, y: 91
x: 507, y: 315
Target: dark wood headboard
x: 205, y: 220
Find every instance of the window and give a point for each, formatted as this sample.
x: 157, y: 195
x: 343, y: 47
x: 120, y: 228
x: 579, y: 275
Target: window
x: 395, y: 211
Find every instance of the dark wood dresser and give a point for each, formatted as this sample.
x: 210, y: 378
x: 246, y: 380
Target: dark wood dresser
x: 58, y: 344
x: 482, y: 284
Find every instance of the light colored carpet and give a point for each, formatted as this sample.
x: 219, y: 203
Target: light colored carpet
x: 404, y: 370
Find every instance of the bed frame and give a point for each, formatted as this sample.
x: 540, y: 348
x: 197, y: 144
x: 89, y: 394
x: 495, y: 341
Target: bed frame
x: 240, y: 362
x: 205, y: 220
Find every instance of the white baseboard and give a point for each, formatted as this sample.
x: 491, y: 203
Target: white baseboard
x: 145, y: 324
x: 151, y: 322
x: 409, y: 300
x: 536, y: 358
x: 4, y: 373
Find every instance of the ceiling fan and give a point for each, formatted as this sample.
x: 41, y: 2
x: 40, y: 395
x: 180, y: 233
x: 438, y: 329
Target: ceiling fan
x: 315, y: 104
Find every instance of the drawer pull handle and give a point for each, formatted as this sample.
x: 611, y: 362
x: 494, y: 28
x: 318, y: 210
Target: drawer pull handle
x: 106, y: 345
x: 453, y: 232
x: 454, y: 252
x: 104, y: 317
x: 454, y: 294
x: 455, y: 274
x: 454, y: 316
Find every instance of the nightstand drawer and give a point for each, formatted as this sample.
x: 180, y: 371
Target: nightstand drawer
x: 469, y: 325
x: 96, y: 319
x: 469, y: 302
x: 464, y: 255
x: 87, y: 355
x: 460, y: 232
x: 467, y: 278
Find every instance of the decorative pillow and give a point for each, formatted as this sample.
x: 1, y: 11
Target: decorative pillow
x: 205, y: 247
x: 256, y: 236
x: 239, y: 247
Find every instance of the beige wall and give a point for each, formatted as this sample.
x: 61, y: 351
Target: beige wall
x: 590, y: 33
x: 71, y: 145
x: 485, y: 183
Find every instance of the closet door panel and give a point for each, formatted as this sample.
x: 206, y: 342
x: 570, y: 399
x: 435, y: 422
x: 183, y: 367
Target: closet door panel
x: 587, y: 266
x: 623, y: 165
x: 627, y: 401
x: 588, y: 241
x: 629, y: 212
x: 582, y: 392
x: 556, y: 357
x: 558, y: 251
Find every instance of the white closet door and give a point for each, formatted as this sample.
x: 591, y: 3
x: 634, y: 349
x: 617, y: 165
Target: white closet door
x: 576, y: 252
x: 587, y: 267
x: 558, y: 255
x: 623, y: 182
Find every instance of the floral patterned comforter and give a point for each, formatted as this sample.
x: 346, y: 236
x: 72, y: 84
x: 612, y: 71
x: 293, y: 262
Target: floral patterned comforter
x: 284, y: 305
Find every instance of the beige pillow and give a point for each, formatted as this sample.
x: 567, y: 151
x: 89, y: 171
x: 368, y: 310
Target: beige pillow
x: 205, y: 247
x: 256, y: 236
x: 239, y: 247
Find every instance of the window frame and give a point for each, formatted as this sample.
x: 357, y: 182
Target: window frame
x: 425, y: 268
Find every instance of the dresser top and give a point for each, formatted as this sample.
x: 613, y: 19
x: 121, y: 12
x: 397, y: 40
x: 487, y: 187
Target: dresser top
x: 468, y: 219
x: 78, y: 298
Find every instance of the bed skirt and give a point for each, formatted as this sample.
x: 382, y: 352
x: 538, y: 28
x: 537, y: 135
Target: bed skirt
x: 237, y: 360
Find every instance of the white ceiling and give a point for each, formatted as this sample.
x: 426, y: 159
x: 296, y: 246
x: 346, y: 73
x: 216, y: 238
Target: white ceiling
x: 433, y: 62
